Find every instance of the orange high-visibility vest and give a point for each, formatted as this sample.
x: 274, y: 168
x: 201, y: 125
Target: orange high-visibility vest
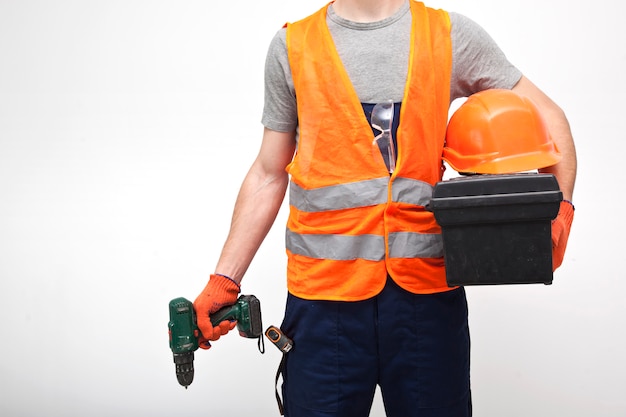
x: 350, y: 222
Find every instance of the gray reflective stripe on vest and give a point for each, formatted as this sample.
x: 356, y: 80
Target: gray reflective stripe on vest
x: 359, y: 194
x: 337, y: 247
x: 337, y: 197
x: 415, y: 245
x: 368, y: 247
x: 406, y: 190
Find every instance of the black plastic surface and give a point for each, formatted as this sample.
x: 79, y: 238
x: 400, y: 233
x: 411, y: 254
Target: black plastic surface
x: 497, y: 228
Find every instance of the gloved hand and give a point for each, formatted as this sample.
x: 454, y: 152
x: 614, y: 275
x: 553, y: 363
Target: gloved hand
x: 221, y: 291
x: 560, y: 232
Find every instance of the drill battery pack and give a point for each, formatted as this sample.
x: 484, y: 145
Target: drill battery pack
x: 497, y: 228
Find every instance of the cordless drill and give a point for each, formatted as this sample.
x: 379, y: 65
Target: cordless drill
x: 184, y: 332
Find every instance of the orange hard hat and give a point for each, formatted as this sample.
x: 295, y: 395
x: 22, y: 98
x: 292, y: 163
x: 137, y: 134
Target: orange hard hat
x: 498, y: 132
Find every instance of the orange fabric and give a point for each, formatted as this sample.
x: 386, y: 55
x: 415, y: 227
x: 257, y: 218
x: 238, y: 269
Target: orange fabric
x: 335, y: 147
x: 560, y: 233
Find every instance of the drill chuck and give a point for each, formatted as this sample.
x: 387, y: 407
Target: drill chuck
x: 184, y: 368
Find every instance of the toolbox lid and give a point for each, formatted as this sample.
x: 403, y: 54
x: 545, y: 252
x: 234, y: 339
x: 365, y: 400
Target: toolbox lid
x: 490, y: 184
x: 496, y: 198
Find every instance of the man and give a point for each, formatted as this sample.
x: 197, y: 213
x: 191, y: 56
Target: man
x: 368, y: 304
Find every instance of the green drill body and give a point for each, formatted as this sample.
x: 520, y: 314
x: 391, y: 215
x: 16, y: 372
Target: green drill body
x: 184, y: 332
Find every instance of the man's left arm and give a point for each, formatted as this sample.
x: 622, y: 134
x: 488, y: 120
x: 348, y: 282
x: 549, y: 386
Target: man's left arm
x: 564, y: 170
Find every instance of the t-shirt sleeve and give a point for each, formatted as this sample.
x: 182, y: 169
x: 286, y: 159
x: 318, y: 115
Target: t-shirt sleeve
x: 478, y: 63
x: 279, y: 108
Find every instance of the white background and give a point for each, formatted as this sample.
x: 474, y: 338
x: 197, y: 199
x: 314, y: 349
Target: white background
x: 126, y: 128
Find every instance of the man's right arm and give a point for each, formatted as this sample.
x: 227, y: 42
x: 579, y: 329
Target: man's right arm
x: 257, y: 204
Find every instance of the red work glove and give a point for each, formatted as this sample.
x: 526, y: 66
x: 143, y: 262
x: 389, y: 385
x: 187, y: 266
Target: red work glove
x: 221, y: 291
x: 560, y: 232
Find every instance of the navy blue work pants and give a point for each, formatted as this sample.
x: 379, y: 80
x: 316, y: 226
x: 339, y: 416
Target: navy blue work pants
x: 415, y: 347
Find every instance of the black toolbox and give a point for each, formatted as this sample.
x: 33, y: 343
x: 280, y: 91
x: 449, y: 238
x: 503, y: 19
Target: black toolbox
x: 497, y: 228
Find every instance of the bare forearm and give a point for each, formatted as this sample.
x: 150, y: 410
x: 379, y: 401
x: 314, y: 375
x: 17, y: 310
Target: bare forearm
x: 258, y: 202
x: 565, y: 170
x: 255, y: 210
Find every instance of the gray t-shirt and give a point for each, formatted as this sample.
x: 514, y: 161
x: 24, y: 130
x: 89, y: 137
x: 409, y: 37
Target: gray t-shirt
x: 376, y: 57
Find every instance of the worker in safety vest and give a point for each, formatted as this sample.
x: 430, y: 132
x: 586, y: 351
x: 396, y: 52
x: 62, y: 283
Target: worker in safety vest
x: 356, y: 108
